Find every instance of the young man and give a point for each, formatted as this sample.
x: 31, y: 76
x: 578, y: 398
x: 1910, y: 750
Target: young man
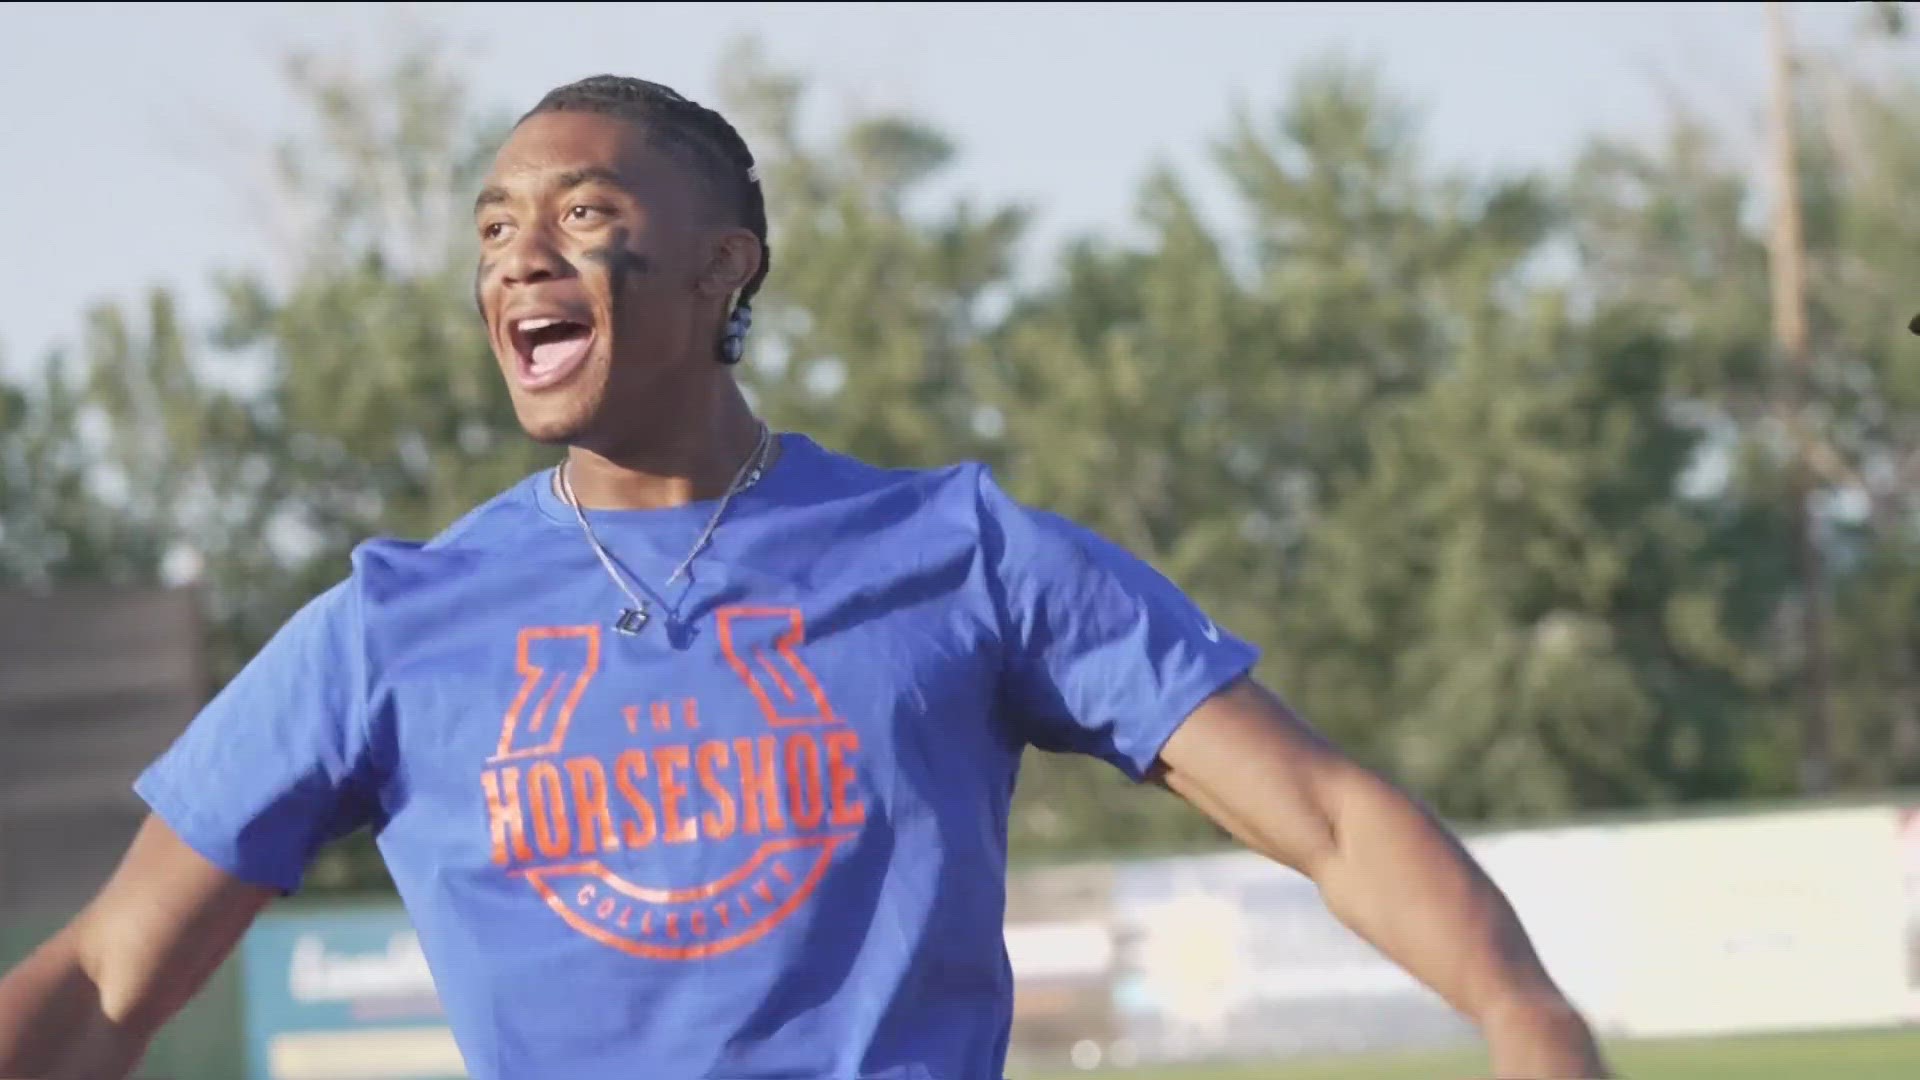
x: 692, y: 757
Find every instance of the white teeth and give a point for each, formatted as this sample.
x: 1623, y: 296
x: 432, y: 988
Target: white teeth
x: 529, y: 325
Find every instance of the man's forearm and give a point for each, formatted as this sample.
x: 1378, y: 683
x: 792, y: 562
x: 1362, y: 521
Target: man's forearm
x: 1399, y: 879
x: 52, y: 1025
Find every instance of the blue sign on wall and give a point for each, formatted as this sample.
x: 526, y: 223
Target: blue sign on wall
x: 343, y: 995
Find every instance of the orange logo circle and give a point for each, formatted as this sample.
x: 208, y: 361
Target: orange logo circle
x: 786, y: 795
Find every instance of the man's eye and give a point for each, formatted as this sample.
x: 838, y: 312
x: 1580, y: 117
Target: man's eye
x: 587, y: 213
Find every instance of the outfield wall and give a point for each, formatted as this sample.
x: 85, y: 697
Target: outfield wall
x: 94, y: 683
x: 1777, y: 921
x: 1789, y: 920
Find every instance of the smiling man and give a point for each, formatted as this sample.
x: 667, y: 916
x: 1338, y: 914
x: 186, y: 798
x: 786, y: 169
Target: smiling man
x: 692, y: 757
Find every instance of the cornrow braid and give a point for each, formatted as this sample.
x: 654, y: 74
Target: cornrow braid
x: 708, y: 142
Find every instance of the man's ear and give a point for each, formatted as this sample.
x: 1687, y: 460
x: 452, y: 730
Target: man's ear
x: 732, y: 259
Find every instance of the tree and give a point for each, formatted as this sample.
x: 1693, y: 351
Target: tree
x: 1215, y: 405
x: 876, y: 309
x: 1516, y: 534
x: 368, y: 401
x: 1667, y: 231
x: 1864, y: 258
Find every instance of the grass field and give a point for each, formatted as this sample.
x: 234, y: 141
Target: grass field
x: 1877, y: 1055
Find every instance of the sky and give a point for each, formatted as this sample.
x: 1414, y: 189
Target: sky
x: 130, y: 133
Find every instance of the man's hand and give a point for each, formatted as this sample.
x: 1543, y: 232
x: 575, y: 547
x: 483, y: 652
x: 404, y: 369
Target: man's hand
x: 1385, y: 867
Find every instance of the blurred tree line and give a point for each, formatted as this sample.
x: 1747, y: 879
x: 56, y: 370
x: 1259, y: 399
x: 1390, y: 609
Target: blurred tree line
x: 1494, y: 467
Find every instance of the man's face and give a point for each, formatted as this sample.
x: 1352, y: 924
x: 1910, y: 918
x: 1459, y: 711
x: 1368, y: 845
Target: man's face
x: 591, y: 266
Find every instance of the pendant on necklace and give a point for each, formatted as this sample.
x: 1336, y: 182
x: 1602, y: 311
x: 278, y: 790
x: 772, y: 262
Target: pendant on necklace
x: 631, y: 621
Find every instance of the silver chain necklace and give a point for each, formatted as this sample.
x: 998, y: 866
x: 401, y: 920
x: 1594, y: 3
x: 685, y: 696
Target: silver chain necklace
x: 633, y: 619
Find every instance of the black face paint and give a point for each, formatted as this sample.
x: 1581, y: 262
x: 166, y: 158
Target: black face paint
x: 620, y: 263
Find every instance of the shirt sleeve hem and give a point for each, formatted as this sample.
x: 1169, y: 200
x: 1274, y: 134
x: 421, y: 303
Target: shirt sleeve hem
x: 1138, y: 758
x: 162, y: 799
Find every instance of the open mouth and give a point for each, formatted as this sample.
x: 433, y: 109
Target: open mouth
x: 549, y: 348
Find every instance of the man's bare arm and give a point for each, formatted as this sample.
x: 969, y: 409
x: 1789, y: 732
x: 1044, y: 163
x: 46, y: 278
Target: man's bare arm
x: 88, y: 1001
x: 1385, y: 867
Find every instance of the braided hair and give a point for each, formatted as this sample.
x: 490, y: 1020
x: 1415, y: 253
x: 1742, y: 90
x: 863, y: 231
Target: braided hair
x: 707, y: 141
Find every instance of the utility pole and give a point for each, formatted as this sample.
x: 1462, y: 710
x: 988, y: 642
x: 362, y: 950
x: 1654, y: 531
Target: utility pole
x: 1787, y: 261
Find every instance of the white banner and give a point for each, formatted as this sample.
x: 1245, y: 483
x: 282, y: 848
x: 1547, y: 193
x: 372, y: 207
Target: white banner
x: 1751, y: 923
x: 1236, y: 956
x: 1908, y: 818
x: 1780, y: 921
x: 1566, y: 885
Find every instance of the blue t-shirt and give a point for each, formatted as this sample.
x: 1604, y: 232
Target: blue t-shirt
x: 765, y: 836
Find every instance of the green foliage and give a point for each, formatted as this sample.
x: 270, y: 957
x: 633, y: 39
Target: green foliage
x: 1494, y: 468
x: 869, y: 329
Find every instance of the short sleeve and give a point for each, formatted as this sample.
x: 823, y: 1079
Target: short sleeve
x: 277, y: 764
x: 1103, y: 654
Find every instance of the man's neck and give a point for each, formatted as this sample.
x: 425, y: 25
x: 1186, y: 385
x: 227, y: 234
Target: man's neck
x: 697, y: 459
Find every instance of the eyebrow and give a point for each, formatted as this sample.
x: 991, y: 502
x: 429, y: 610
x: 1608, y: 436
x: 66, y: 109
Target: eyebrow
x: 493, y: 195
x: 591, y: 174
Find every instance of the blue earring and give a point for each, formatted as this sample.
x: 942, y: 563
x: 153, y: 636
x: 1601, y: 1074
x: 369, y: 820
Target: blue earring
x: 733, y: 343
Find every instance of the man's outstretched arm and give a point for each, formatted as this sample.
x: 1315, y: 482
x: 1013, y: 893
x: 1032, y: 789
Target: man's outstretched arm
x: 85, y: 1005
x: 1385, y: 867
